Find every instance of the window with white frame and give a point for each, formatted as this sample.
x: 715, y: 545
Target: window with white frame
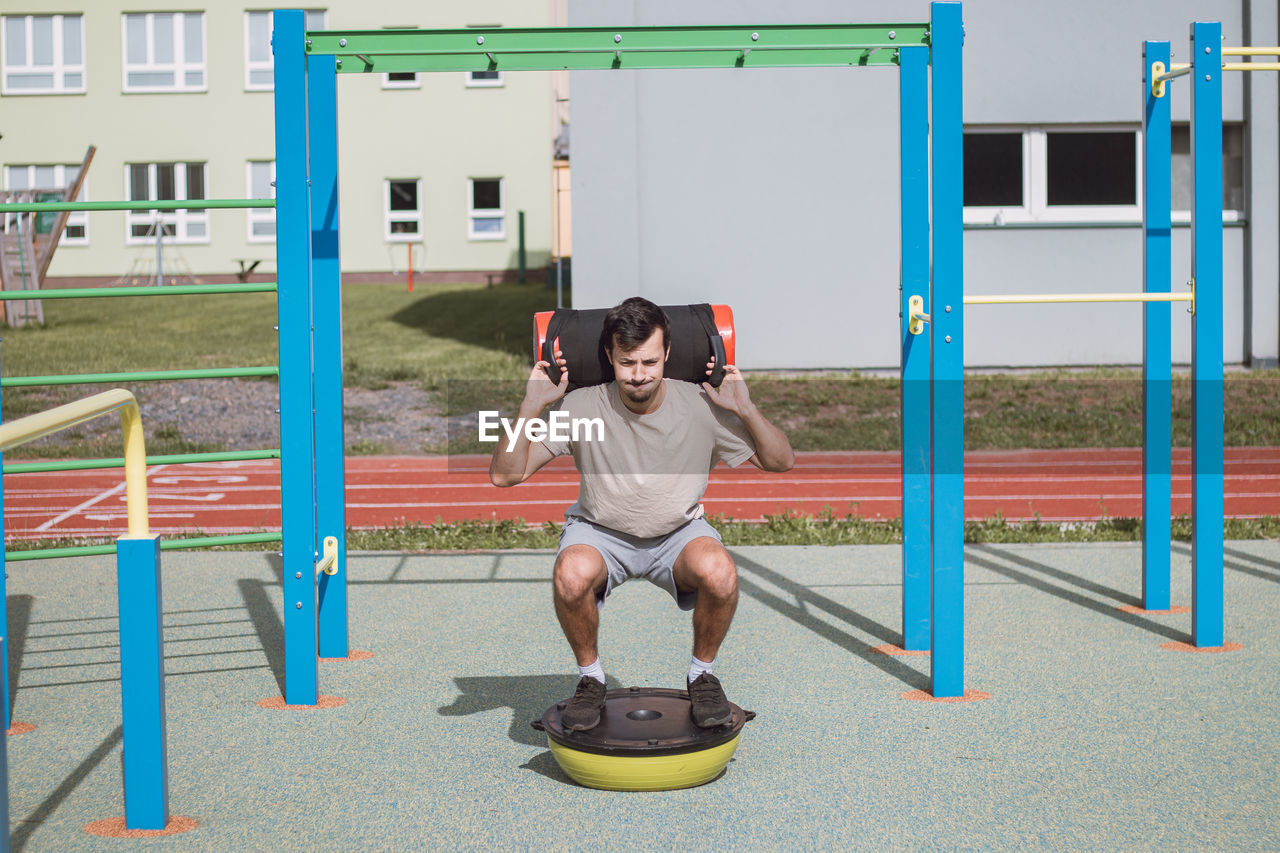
x: 1232, y: 172
x: 166, y: 182
x: 403, y: 210
x: 43, y: 55
x: 1051, y: 175
x: 164, y: 52
x: 401, y: 80
x: 1080, y: 175
x: 261, y: 180
x: 55, y: 179
x: 259, y: 66
x: 482, y: 79
x: 485, y: 219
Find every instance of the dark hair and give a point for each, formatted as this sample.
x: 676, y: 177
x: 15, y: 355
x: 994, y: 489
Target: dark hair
x: 634, y: 322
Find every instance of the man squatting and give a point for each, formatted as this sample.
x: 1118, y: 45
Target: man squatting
x: 638, y: 513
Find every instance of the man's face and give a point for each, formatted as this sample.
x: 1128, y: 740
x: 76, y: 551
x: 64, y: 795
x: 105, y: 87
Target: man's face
x: 639, y: 371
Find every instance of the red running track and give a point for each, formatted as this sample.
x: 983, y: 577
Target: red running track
x: 228, y: 497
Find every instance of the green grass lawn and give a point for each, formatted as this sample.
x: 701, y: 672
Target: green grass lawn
x: 470, y: 347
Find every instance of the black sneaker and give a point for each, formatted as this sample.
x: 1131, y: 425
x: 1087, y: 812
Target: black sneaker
x: 707, y: 703
x: 583, y: 711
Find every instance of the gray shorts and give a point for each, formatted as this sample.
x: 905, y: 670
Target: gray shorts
x: 627, y: 556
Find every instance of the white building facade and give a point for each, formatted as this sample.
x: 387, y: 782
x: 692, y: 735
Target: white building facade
x: 178, y: 102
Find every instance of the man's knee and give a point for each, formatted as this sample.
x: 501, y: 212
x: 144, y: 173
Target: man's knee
x: 708, y: 567
x: 579, y: 572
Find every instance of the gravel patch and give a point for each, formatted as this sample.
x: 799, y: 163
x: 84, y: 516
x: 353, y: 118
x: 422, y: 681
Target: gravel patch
x: 238, y: 414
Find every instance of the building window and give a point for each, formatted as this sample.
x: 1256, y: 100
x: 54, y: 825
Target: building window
x: 1091, y: 168
x: 404, y: 210
x: 166, y: 182
x: 1039, y: 175
x: 54, y: 180
x: 164, y: 52
x: 259, y: 67
x: 1081, y: 175
x: 261, y: 180
x: 401, y: 80
x: 481, y: 79
x: 1232, y: 172
x: 994, y: 170
x: 485, y: 220
x: 43, y: 55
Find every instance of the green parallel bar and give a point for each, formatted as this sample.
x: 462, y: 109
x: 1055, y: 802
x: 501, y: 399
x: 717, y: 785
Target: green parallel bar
x: 137, y: 376
x: 152, y: 204
x: 118, y: 462
x: 165, y: 545
x: 582, y: 48
x: 167, y: 290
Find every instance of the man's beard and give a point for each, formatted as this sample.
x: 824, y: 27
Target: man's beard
x: 641, y: 396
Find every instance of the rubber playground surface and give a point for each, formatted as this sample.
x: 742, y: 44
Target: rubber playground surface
x: 1095, y: 737
x: 1054, y: 485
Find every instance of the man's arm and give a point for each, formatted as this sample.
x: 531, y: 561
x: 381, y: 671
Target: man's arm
x: 773, y: 448
x: 514, y: 466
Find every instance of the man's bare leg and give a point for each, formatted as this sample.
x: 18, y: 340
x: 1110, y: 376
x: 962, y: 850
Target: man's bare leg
x: 579, y: 576
x: 705, y: 566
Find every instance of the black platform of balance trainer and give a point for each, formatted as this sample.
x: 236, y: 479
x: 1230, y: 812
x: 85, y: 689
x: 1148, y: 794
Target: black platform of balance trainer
x: 645, y: 741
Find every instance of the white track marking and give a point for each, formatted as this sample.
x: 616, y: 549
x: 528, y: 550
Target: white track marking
x: 208, y: 497
x: 114, y: 490
x: 220, y: 479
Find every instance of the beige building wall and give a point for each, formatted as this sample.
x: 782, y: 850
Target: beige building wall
x: 440, y: 131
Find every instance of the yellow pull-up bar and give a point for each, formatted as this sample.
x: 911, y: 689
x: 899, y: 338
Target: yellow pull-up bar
x: 50, y: 421
x: 1160, y: 75
x: 918, y: 316
x: 1251, y: 51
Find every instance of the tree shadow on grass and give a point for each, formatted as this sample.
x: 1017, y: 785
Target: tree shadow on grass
x: 498, y: 318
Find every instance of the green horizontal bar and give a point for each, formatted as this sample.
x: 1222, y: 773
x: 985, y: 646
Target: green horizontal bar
x: 581, y: 48
x: 137, y: 376
x: 153, y: 204
x: 165, y: 545
x: 103, y: 292
x: 118, y: 462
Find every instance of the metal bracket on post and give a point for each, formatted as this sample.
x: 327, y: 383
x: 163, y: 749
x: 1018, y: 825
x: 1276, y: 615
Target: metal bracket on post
x: 915, y: 323
x: 329, y: 561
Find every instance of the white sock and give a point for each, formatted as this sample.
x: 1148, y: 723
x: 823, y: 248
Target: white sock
x: 595, y: 670
x: 697, y: 667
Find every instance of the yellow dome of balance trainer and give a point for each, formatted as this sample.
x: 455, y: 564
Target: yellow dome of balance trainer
x: 645, y: 741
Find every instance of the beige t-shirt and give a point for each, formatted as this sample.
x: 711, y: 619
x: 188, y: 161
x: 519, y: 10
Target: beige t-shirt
x: 646, y: 475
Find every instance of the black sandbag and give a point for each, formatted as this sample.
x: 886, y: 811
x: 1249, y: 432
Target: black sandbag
x: 693, y: 337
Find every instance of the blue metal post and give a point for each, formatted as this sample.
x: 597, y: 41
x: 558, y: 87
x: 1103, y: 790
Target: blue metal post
x: 326, y: 270
x: 1206, y: 336
x: 913, y: 141
x: 297, y: 428
x: 947, y: 346
x: 142, y: 711
x: 1157, y: 353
